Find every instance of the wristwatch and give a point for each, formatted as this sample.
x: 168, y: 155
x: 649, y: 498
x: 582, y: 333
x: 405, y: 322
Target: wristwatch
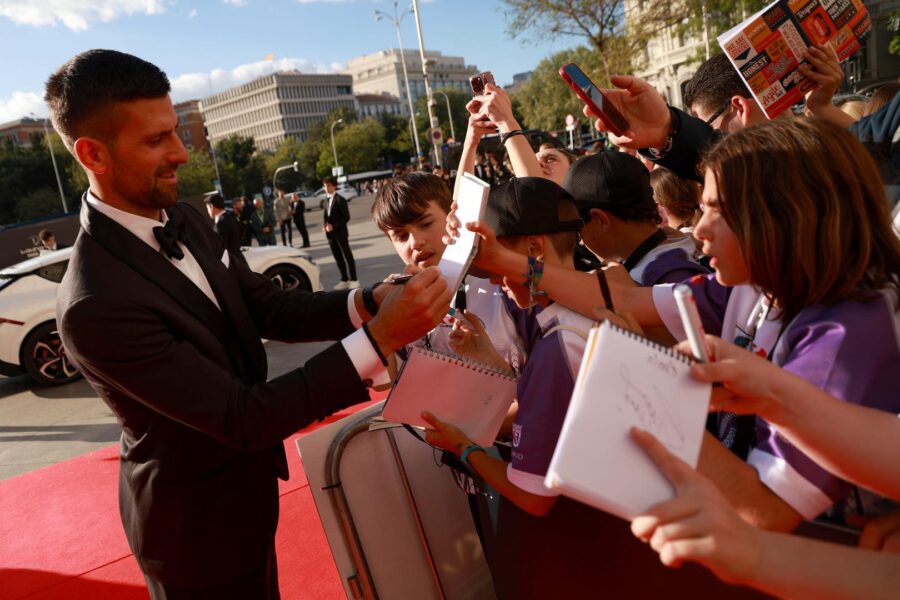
x: 670, y: 138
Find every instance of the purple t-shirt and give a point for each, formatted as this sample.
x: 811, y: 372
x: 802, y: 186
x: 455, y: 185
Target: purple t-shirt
x: 670, y: 262
x: 850, y: 350
x: 544, y: 391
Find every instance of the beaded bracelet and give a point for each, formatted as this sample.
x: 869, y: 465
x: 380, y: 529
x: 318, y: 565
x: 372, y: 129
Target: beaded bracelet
x: 532, y: 278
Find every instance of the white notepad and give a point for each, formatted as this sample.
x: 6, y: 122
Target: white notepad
x: 470, y: 206
x: 626, y: 380
x: 472, y: 396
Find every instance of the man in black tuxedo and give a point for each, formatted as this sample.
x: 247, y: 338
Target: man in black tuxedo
x: 224, y: 223
x: 337, y: 215
x: 165, y: 323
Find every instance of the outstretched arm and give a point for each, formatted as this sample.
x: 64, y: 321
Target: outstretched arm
x: 856, y: 443
x: 699, y: 525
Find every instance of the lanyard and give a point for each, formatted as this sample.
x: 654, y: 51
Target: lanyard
x: 646, y: 246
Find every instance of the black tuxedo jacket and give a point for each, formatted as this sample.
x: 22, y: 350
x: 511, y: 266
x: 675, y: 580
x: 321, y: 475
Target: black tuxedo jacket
x: 230, y: 231
x: 338, y: 216
x: 202, y: 430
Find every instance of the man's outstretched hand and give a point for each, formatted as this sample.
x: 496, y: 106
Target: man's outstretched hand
x: 409, y: 311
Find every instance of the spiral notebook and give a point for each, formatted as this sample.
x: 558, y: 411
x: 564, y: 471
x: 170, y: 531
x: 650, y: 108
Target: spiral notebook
x: 626, y: 380
x: 472, y: 396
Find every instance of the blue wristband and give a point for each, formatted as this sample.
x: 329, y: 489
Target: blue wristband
x: 464, y: 457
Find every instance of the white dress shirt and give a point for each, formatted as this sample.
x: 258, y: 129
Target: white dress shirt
x: 357, y: 345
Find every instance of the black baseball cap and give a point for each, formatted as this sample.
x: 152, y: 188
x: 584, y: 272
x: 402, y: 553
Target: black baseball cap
x: 608, y: 180
x: 216, y: 200
x: 530, y: 206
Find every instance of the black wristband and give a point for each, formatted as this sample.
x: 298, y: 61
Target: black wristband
x: 381, y: 357
x: 368, y: 298
x: 509, y: 134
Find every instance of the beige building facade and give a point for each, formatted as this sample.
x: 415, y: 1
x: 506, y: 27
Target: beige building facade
x: 382, y: 73
x: 276, y: 106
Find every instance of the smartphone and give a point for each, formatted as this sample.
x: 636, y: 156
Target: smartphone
x: 594, y: 98
x: 478, y: 82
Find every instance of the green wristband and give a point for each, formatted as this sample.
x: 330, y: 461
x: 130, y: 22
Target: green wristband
x: 464, y: 457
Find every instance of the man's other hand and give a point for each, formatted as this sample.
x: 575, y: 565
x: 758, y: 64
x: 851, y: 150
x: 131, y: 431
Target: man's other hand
x: 649, y: 119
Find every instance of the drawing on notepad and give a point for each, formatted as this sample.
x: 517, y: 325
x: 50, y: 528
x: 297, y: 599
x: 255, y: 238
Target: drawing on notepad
x: 650, y: 409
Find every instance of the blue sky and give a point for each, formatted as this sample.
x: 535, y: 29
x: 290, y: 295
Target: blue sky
x: 225, y: 41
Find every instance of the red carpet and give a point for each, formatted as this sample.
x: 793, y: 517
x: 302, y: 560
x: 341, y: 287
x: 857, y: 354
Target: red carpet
x: 61, y: 537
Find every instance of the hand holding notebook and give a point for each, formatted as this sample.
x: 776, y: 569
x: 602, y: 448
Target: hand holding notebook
x: 626, y: 381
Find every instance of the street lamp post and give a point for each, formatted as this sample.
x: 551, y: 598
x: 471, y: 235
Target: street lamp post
x: 62, y: 196
x: 396, y: 21
x: 295, y: 167
x: 431, y: 118
x: 333, y: 147
x: 449, y: 114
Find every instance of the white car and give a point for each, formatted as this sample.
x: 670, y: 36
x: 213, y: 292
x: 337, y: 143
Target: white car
x: 29, y: 340
x: 344, y: 190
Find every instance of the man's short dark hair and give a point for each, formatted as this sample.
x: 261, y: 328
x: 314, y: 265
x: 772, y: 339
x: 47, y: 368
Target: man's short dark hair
x: 714, y: 84
x: 215, y: 200
x: 81, y: 93
x: 45, y: 234
x: 329, y: 180
x: 403, y: 200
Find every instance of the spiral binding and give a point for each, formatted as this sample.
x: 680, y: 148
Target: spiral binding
x: 670, y: 352
x: 472, y: 365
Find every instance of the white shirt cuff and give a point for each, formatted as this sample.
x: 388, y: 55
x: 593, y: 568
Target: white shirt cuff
x: 664, y: 301
x: 351, y: 308
x: 364, y: 358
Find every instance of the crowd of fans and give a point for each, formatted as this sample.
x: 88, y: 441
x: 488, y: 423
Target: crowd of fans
x: 784, y: 231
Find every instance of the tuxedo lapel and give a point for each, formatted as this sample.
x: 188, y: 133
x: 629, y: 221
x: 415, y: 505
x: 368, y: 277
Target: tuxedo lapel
x: 228, y: 294
x: 153, y: 266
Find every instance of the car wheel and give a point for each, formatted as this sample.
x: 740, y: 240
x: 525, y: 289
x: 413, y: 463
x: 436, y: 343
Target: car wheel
x: 44, y: 357
x: 288, y: 277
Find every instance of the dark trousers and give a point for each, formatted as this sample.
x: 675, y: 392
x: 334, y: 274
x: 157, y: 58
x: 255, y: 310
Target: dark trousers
x: 339, y: 241
x: 261, y: 582
x: 300, y: 222
x: 287, y: 240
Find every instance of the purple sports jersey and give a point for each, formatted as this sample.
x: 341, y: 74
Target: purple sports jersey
x: 850, y: 350
x: 670, y: 262
x: 544, y: 390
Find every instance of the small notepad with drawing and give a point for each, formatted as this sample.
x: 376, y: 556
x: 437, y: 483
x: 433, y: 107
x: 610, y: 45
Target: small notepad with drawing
x: 471, y: 396
x: 626, y: 381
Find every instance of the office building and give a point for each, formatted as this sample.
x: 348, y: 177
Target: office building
x: 382, y: 73
x: 276, y: 106
x: 190, y: 125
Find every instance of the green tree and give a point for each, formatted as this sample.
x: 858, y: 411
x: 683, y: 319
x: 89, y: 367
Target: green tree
x: 243, y: 170
x: 609, y: 27
x: 696, y: 18
x: 545, y: 100
x: 41, y: 202
x: 198, y: 175
x: 458, y: 101
x: 359, y: 147
x: 287, y: 152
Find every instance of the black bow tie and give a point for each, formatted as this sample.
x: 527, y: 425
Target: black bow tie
x: 169, y: 235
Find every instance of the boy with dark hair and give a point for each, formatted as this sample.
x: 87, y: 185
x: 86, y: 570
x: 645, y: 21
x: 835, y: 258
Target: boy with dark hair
x: 412, y: 210
x: 622, y: 222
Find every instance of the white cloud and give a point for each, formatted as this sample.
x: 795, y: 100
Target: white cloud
x: 21, y: 104
x: 192, y: 14
x: 197, y: 85
x: 236, y: 2
x: 77, y: 15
